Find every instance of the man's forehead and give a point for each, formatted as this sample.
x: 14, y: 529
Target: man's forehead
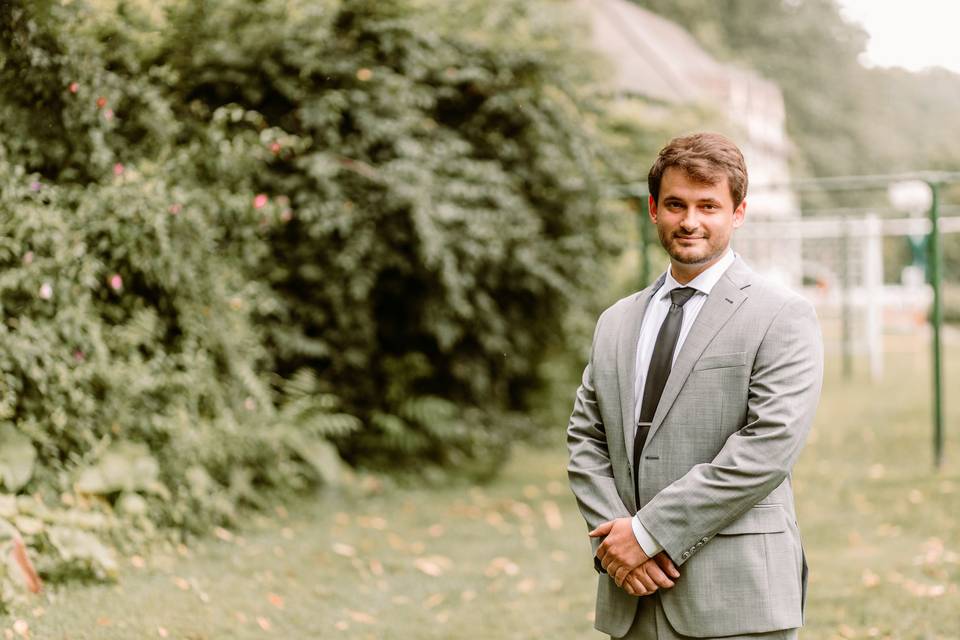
x: 678, y: 181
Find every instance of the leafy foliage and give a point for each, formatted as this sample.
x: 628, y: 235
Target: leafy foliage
x: 243, y: 239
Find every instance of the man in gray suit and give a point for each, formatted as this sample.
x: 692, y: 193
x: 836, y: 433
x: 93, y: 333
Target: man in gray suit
x: 693, y: 408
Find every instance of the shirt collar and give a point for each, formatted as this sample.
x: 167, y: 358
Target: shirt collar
x: 704, y: 282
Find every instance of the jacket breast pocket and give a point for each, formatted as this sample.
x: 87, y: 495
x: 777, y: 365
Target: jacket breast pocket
x: 721, y: 361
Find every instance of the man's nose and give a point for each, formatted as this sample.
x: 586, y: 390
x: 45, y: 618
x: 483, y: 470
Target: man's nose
x: 691, y: 221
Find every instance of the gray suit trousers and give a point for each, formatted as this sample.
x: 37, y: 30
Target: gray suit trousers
x: 651, y: 623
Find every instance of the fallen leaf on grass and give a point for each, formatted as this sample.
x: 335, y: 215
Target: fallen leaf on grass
x: 345, y: 550
x: 468, y: 595
x: 522, y: 510
x: 494, y: 519
x: 22, y: 628
x: 264, y: 623
x: 372, y: 522
x: 223, y: 534
x: 551, y: 513
x: 276, y: 600
x: 526, y: 585
x: 501, y: 565
x: 434, y: 600
x: 433, y: 565
x: 870, y: 579
x: 162, y: 632
x: 361, y: 617
x: 436, y: 530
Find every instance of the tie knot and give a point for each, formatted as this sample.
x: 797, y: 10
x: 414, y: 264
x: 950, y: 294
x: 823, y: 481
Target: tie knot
x: 680, y: 295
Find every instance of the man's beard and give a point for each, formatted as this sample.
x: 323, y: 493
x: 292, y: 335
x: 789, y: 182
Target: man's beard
x: 686, y: 259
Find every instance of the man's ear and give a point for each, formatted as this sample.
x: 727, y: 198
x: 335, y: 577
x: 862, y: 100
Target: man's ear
x: 739, y: 214
x: 652, y: 209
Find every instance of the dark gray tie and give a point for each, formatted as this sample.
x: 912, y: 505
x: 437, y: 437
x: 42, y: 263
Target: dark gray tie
x: 657, y: 373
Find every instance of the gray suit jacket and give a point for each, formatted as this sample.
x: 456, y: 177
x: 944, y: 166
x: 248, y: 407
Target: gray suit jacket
x: 714, y: 486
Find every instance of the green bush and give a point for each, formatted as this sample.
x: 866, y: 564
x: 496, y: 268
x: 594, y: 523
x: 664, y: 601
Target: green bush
x: 235, y: 231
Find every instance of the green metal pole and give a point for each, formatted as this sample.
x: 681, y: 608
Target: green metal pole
x: 643, y: 221
x: 936, y: 269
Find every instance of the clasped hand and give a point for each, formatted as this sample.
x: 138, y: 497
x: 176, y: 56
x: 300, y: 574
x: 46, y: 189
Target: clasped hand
x: 624, y: 560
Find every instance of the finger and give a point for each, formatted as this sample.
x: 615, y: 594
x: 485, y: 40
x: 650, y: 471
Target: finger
x: 665, y: 563
x: 647, y: 581
x: 612, y: 566
x: 601, y: 530
x: 633, y: 585
x: 658, y: 576
x: 602, y: 551
x: 619, y: 575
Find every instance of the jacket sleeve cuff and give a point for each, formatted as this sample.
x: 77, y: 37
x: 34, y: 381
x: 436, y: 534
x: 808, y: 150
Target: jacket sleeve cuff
x: 647, y: 542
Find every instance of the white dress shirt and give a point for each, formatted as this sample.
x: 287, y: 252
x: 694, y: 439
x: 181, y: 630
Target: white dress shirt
x: 653, y: 318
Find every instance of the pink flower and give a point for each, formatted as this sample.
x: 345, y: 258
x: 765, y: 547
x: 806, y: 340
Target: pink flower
x: 118, y: 169
x: 260, y: 201
x: 74, y: 87
x: 101, y: 102
x: 116, y: 282
x: 46, y: 291
x: 28, y: 257
x: 286, y: 215
x: 79, y: 355
x: 275, y: 148
x: 175, y: 208
x: 108, y: 114
x: 35, y: 185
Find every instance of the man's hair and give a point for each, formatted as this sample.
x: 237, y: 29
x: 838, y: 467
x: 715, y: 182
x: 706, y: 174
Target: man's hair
x: 703, y: 157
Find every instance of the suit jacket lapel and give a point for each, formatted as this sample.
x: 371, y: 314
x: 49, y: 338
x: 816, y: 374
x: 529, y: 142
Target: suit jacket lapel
x: 724, y: 299
x: 627, y: 340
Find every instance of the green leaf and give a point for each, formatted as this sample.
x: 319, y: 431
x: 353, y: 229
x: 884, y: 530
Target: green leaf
x: 17, y: 457
x: 125, y: 466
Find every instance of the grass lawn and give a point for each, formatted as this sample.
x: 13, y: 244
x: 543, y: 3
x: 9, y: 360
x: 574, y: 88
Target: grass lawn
x: 511, y: 559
